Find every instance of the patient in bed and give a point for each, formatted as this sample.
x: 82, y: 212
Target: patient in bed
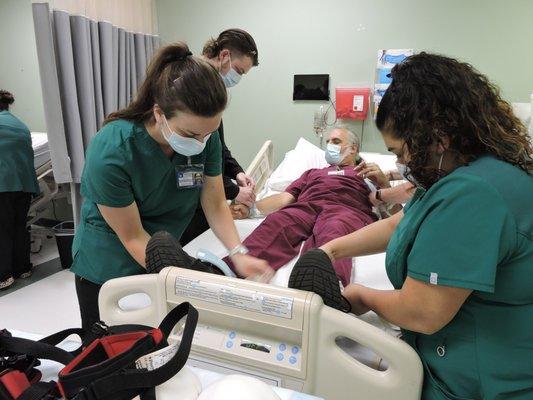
x: 323, y: 204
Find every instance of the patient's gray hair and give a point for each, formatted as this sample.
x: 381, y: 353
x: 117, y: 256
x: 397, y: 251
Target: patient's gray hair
x: 353, y: 139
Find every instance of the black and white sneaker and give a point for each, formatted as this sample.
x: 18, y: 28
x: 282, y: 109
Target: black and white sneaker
x: 164, y: 250
x: 7, y: 283
x: 314, y: 272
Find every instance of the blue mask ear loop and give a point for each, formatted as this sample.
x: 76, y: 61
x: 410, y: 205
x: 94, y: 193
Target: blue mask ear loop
x: 220, y: 68
x: 440, y: 161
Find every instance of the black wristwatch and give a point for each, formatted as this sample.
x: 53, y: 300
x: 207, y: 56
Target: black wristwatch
x: 378, y: 195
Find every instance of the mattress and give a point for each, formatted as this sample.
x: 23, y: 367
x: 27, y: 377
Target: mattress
x: 41, y: 151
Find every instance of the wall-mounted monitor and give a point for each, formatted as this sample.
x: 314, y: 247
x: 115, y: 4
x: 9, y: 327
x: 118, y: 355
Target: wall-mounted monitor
x: 311, y: 87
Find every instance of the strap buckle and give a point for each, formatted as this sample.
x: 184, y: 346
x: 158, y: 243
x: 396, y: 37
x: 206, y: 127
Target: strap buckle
x: 20, y: 362
x: 86, y: 393
x: 100, y: 329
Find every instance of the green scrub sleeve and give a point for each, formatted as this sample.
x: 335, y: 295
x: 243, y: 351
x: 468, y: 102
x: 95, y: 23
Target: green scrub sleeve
x: 466, y: 233
x: 213, y: 159
x: 105, y: 180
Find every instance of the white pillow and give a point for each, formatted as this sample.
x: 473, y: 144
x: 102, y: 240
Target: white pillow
x: 387, y: 162
x: 304, y: 157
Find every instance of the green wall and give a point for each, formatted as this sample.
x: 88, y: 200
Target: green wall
x: 19, y: 70
x: 341, y: 37
x: 306, y: 36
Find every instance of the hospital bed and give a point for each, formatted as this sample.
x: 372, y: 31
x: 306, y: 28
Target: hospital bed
x: 336, y: 353
x: 284, y: 337
x: 45, y: 177
x: 368, y: 271
x: 49, y: 189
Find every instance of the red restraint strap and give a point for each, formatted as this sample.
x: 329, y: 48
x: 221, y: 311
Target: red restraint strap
x: 15, y: 382
x: 118, y: 344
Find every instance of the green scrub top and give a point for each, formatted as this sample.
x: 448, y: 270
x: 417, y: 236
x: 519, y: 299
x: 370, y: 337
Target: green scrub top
x: 473, y: 229
x: 17, y: 172
x: 125, y: 165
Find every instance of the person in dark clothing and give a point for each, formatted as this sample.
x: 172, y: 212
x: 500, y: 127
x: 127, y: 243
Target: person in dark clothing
x: 233, y: 54
x: 18, y: 183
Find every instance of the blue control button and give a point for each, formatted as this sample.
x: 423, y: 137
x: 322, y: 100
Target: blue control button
x: 282, y: 347
x: 280, y: 357
x: 293, y: 360
x: 229, y: 344
x: 232, y: 335
x: 295, y: 350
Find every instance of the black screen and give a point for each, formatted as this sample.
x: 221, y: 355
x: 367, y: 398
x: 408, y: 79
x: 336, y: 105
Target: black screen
x: 311, y: 87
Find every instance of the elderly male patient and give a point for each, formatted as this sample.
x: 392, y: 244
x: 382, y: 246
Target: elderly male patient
x: 323, y: 204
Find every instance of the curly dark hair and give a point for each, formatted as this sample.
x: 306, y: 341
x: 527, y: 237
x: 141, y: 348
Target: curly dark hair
x: 235, y: 40
x: 432, y: 97
x: 6, y: 99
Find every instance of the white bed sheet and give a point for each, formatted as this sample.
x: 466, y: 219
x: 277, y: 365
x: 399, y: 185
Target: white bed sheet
x: 50, y: 369
x: 41, y: 151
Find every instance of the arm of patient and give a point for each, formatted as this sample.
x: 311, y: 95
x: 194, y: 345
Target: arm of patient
x: 274, y: 203
x: 264, y: 207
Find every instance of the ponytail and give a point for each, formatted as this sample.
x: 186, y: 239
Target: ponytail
x: 237, y: 41
x: 6, y: 99
x: 175, y: 80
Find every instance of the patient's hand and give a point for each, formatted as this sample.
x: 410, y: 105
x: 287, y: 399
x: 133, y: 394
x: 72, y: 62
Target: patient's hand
x: 239, y: 211
x: 374, y: 173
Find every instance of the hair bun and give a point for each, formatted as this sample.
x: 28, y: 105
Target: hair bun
x: 6, y: 97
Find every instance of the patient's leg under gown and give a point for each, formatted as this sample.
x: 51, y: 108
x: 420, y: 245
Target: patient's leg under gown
x: 279, y: 237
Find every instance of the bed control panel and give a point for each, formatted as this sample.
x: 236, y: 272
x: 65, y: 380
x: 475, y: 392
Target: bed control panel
x: 234, y: 343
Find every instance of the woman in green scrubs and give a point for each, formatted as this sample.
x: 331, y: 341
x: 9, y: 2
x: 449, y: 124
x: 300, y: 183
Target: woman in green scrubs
x: 142, y: 172
x: 18, y: 183
x: 460, y: 256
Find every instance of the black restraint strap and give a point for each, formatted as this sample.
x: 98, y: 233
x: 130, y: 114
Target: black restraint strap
x: 40, y: 391
x: 13, y: 345
x: 115, y: 386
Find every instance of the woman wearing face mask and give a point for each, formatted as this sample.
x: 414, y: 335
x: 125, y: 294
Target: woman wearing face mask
x: 460, y: 256
x: 142, y: 174
x: 18, y: 183
x: 233, y: 54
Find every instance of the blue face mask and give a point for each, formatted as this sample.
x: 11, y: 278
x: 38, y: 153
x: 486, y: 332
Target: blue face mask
x: 232, y: 78
x: 333, y: 154
x: 405, y: 171
x: 183, y: 145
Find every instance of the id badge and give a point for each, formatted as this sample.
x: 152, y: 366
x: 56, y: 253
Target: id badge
x: 190, y: 176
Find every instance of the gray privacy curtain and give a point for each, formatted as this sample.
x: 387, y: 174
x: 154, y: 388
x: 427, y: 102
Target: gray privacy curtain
x: 88, y: 69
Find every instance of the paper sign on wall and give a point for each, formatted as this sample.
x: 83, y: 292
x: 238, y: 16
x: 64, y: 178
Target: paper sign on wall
x: 387, y: 59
